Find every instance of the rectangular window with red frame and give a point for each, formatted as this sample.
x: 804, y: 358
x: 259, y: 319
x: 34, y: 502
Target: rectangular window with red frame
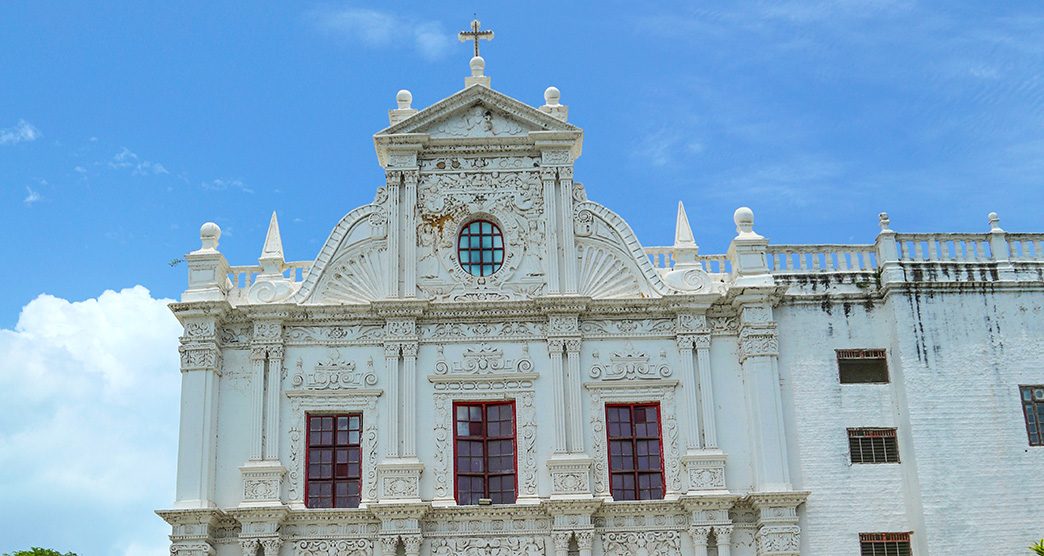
x: 635, y: 451
x: 333, y: 470
x: 484, y: 450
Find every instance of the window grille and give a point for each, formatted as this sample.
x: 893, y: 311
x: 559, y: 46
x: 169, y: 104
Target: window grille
x: 884, y: 544
x: 861, y: 366
x: 1033, y: 411
x: 480, y: 248
x: 333, y: 469
x: 873, y: 446
x: 484, y: 452
x: 635, y: 451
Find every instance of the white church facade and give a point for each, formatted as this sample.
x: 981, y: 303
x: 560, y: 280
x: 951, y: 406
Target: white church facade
x: 486, y: 361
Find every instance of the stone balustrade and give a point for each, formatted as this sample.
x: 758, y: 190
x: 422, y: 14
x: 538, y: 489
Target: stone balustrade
x: 242, y: 277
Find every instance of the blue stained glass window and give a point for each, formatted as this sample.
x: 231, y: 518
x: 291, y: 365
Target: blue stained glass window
x: 480, y: 248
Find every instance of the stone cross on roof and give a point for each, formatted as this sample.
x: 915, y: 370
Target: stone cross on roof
x: 475, y: 35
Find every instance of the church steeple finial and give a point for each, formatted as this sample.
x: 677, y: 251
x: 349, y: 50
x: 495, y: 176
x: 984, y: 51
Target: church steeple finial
x: 475, y: 35
x: 478, y: 64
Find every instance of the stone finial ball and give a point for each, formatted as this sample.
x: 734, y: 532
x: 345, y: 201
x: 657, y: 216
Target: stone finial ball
x: 992, y: 217
x: 209, y: 230
x: 743, y: 217
x: 478, y: 65
x: 404, y: 99
x: 552, y: 95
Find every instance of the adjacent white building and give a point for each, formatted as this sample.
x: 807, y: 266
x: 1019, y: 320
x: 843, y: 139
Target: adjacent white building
x: 486, y: 361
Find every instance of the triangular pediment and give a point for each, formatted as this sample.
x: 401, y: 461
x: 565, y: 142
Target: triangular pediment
x: 479, y: 112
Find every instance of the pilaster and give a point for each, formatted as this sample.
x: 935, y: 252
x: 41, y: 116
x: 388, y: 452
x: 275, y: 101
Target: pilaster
x: 192, y: 531
x: 777, y: 520
x: 394, y: 183
x: 200, y: 353
x: 565, y: 207
x: 891, y: 271
x: 400, y: 471
x: 569, y: 466
x: 704, y: 462
x: 259, y: 528
x: 263, y: 472
x: 549, y: 176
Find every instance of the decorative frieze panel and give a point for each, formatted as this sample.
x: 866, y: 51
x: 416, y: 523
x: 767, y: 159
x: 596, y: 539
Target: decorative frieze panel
x: 477, y: 121
x: 261, y: 484
x: 334, y: 373
x: 235, y: 335
x: 455, y: 164
x: 630, y: 364
x: 484, y: 360
x: 481, y: 331
x: 267, y: 331
x: 597, y: 328
x: 648, y: 543
x: 347, y: 547
x: 563, y: 325
x: 705, y: 472
x: 723, y: 325
x: 196, y: 357
x: 490, y: 546
x: 779, y: 540
x: 349, y: 334
x: 758, y: 341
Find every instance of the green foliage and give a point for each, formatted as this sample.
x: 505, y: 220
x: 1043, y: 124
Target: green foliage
x: 1038, y: 548
x: 37, y: 551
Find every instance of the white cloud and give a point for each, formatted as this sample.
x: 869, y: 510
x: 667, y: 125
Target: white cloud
x: 128, y: 159
x: 22, y: 132
x: 88, y: 429
x: 219, y: 184
x: 32, y: 196
x: 379, y: 29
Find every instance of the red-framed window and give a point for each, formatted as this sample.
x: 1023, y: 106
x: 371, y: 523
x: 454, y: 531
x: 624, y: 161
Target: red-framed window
x: 884, y: 544
x: 333, y: 462
x: 635, y: 451
x: 484, y: 452
x: 1033, y: 411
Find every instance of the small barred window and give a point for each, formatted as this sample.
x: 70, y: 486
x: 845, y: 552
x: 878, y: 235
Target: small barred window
x: 480, y: 248
x: 873, y: 446
x: 884, y: 544
x: 862, y: 366
x: 1033, y: 411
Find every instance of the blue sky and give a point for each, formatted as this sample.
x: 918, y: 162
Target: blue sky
x: 124, y: 126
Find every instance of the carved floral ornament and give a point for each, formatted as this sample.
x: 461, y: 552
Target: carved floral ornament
x: 484, y: 360
x: 334, y: 373
x: 630, y: 364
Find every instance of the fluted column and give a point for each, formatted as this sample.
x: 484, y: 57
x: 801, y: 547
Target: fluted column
x: 576, y: 422
x: 249, y: 546
x: 393, y: 181
x: 387, y: 546
x: 391, y: 370
x: 565, y: 190
x: 258, y: 355
x: 707, y: 422
x: 561, y: 542
x: 723, y: 534
x: 412, y: 544
x: 272, y: 546
x: 584, y: 542
x: 409, y: 402
x: 272, y: 397
x: 692, y: 424
x: 548, y: 176
x: 555, y: 348
x: 699, y: 537
x: 409, y: 234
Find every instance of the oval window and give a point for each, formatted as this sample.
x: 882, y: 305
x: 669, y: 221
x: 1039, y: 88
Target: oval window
x: 480, y: 248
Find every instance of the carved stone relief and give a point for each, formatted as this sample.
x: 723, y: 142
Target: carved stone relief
x: 648, y: 543
x: 484, y: 360
x: 477, y: 121
x: 334, y: 373
x: 630, y: 364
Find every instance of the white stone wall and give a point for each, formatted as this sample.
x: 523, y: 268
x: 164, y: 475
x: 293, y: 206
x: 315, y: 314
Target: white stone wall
x: 968, y: 480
